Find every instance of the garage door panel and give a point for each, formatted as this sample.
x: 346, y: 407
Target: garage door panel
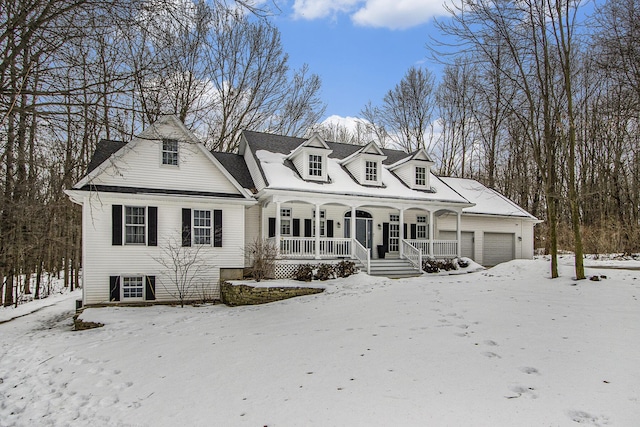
x: 497, y: 248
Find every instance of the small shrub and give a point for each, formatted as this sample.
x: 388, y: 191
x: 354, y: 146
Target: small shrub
x: 430, y: 265
x: 303, y: 273
x: 345, y: 268
x: 462, y: 263
x: 447, y: 265
x: 325, y: 272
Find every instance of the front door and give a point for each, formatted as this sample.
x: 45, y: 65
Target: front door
x: 364, y: 228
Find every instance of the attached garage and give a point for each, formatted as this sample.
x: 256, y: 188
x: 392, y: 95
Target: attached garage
x: 467, y: 241
x: 498, y: 247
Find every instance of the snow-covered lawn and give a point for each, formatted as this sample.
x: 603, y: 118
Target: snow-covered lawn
x: 502, y: 347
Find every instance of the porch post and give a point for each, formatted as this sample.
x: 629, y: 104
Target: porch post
x: 317, y: 231
x: 278, y: 227
x: 401, y: 232
x: 352, y: 232
x: 431, y: 231
x: 459, y: 234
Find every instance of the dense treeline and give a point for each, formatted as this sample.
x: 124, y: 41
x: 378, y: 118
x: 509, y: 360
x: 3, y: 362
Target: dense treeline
x: 75, y: 71
x: 541, y: 101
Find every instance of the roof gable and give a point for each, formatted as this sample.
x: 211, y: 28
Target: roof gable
x: 138, y: 163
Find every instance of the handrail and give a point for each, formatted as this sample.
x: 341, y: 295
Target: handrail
x: 412, y: 254
x: 362, y: 254
x: 441, y: 248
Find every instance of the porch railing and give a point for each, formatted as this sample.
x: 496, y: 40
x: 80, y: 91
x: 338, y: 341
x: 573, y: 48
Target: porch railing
x: 362, y: 254
x: 305, y: 247
x: 412, y: 254
x: 441, y: 248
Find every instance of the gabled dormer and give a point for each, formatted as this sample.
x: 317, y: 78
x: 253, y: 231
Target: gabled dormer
x: 311, y: 159
x: 414, y: 170
x: 365, y: 165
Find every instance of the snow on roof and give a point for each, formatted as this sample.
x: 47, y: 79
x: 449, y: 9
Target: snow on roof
x: 281, y: 176
x: 487, y: 201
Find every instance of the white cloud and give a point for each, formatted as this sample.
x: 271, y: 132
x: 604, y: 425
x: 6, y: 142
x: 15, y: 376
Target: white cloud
x: 398, y: 14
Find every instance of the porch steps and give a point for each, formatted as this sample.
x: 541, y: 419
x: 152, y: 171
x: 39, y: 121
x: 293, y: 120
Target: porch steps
x: 393, y: 268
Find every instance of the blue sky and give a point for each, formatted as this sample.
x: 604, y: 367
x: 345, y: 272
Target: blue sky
x: 360, y: 48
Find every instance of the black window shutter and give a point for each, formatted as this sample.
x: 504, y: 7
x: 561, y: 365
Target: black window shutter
x: 152, y: 238
x: 186, y: 227
x: 114, y: 288
x: 150, y: 288
x: 385, y: 236
x: 296, y: 227
x: 307, y: 228
x: 272, y: 227
x: 329, y: 228
x: 404, y: 232
x: 217, y: 228
x: 414, y: 231
x: 116, y: 225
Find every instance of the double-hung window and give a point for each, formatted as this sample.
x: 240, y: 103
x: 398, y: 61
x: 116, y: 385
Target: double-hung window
x: 421, y: 227
x: 285, y: 221
x: 201, y: 227
x: 134, y: 222
x: 323, y: 229
x: 421, y: 176
x: 315, y: 165
x: 371, y: 171
x: 132, y: 287
x: 170, y: 152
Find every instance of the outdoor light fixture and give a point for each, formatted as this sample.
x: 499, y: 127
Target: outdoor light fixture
x: 379, y: 226
x: 338, y: 224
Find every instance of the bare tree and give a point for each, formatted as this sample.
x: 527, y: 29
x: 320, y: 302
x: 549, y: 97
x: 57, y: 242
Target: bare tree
x: 406, y: 111
x: 185, y: 270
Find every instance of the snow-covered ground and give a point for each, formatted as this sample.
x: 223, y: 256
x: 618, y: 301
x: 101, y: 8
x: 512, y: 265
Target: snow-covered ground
x: 503, y: 347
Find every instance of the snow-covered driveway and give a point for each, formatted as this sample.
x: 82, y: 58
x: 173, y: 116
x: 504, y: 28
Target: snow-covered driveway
x: 504, y: 347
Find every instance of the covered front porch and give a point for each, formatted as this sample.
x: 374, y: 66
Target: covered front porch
x: 340, y: 229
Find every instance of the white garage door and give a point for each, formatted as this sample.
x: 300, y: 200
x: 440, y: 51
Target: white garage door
x: 467, y: 241
x: 497, y: 248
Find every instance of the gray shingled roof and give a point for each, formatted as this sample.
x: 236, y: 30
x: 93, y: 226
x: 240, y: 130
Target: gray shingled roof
x: 236, y: 166
x: 286, y: 144
x: 104, y: 149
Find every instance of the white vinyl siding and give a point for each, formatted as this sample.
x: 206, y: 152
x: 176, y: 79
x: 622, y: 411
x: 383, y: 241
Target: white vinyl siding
x: 102, y: 260
x: 254, y: 170
x: 140, y: 167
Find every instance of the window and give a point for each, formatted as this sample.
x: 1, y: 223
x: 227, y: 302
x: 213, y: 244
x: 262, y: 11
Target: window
x: 134, y: 222
x: 170, y: 152
x: 285, y: 221
x: 371, y: 171
x: 323, y: 229
x: 132, y: 287
x: 201, y: 227
x: 394, y: 218
x: 421, y: 227
x: 315, y: 165
x: 421, y: 176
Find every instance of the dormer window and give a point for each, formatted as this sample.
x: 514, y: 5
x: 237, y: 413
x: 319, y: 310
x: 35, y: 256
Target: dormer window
x: 421, y: 176
x: 315, y: 165
x: 170, y: 152
x: 371, y: 171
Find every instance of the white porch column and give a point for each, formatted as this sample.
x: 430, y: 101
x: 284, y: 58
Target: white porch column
x: 431, y: 231
x: 459, y: 233
x: 401, y: 232
x: 317, y: 231
x: 278, y: 226
x: 352, y: 232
